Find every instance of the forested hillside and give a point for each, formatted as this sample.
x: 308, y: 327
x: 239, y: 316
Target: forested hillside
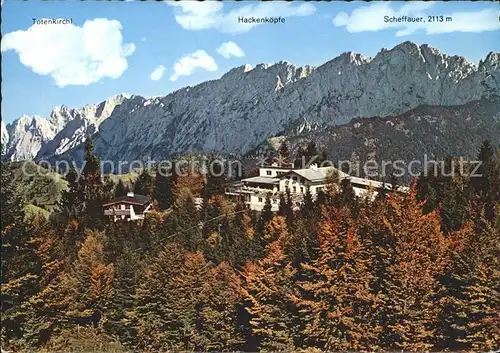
x: 405, y: 272
x: 425, y: 130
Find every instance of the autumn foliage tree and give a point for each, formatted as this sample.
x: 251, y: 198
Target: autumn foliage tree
x: 267, y: 289
x: 89, y: 283
x: 409, y: 253
x: 335, y: 300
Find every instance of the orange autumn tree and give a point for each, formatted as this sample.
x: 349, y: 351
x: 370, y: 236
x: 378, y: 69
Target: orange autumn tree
x: 409, y: 252
x: 267, y: 287
x: 190, y: 184
x: 276, y: 229
x: 335, y: 297
x: 89, y: 283
x: 45, y: 310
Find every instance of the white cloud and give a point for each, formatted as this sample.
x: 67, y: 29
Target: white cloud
x: 371, y: 18
x: 143, y: 39
x: 70, y: 54
x: 188, y: 64
x: 193, y: 15
x: 157, y: 73
x: 230, y: 49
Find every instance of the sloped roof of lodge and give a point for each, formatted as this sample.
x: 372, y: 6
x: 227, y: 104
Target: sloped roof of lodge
x: 261, y: 180
x: 136, y: 200
x: 315, y: 174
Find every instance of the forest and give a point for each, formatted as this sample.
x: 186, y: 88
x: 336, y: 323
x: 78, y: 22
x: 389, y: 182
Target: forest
x: 415, y: 271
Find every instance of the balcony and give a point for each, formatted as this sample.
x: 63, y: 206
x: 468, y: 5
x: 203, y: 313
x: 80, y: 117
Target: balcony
x: 116, y: 212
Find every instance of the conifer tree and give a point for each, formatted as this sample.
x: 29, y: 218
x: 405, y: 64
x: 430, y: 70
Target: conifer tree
x: 311, y: 153
x: 265, y: 217
x: 282, y: 207
x: 163, y: 189
x: 128, y: 270
x: 336, y: 301
x: 409, y: 251
x: 284, y: 151
x: 217, y: 315
x: 276, y: 229
x: 153, y: 298
x: 267, y: 213
x: 321, y: 200
x: 183, y: 224
x: 44, y: 311
x: 307, y: 208
x: 347, y: 196
x: 91, y: 188
x: 246, y: 246
x: 469, y: 296
x: 120, y: 189
x: 71, y: 203
x: 189, y: 184
x: 168, y: 301
x: 215, y: 178
x: 300, y: 158
x: 144, y: 184
x: 217, y: 230
x: 302, y: 243
x: 289, y: 214
x: 89, y: 283
x: 267, y: 288
x: 485, y: 181
x: 18, y: 260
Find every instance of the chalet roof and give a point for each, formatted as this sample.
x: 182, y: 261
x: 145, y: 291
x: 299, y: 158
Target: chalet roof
x: 261, y: 180
x: 368, y: 182
x: 135, y: 199
x: 315, y: 174
x: 279, y: 167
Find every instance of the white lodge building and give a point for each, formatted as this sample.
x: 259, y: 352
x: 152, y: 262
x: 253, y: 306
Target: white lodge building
x: 274, y: 180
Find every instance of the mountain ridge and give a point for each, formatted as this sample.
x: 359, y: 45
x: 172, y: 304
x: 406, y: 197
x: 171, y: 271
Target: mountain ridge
x: 246, y: 105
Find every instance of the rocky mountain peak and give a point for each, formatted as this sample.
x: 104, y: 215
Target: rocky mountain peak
x: 354, y: 58
x: 491, y: 62
x: 4, y: 135
x: 65, y: 128
x: 407, y: 47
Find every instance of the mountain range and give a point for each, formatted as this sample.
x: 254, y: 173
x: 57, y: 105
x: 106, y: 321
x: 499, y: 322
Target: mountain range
x: 248, y: 105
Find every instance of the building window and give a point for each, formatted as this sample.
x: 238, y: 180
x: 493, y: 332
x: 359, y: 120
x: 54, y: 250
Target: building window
x: 268, y: 172
x: 260, y: 199
x: 319, y: 188
x: 294, y: 178
x: 275, y: 201
x: 301, y: 190
x: 294, y: 189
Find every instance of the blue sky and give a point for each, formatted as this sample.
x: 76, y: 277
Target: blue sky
x: 115, y: 47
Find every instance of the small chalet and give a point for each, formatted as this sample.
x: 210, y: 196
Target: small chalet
x: 130, y: 207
